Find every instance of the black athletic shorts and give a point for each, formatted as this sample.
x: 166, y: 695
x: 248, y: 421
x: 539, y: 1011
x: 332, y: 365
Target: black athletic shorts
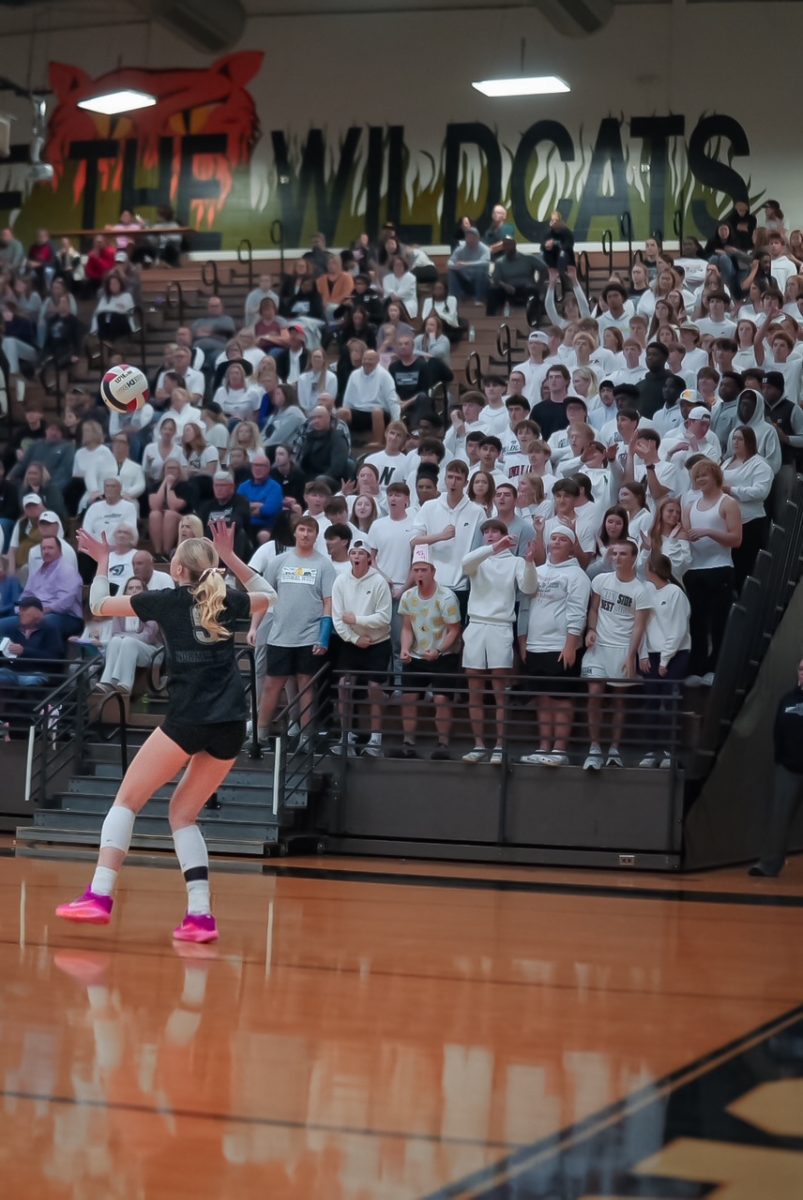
x: 373, y: 660
x: 223, y: 741
x: 284, y: 661
x: 556, y: 677
x: 422, y: 676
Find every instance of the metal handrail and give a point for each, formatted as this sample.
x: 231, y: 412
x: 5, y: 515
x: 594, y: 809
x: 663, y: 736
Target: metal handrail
x: 255, y: 750
x: 43, y: 733
x: 277, y: 237
x: 121, y: 726
x: 607, y: 248
x: 179, y: 302
x: 626, y: 227
x: 211, y: 266
x: 584, y: 270
x: 301, y: 762
x: 139, y: 316
x: 473, y: 370
x: 504, y: 345
x: 248, y: 260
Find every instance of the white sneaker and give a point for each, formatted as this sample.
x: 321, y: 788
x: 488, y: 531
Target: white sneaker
x: 707, y: 680
x: 371, y: 750
x: 477, y: 755
x: 666, y: 761
x: 294, y: 729
x: 594, y: 761
x: 614, y: 758
x: 694, y: 681
x: 556, y: 759
x: 535, y: 760
x: 497, y: 756
x: 337, y: 749
x: 649, y: 760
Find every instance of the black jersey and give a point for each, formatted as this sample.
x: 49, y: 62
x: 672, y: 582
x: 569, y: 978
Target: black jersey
x: 205, y: 687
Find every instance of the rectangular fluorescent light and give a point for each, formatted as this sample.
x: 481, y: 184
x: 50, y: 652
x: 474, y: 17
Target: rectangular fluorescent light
x: 117, y: 102
x: 533, y: 85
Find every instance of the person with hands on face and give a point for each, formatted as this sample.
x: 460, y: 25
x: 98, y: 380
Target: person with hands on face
x: 617, y: 619
x: 497, y: 577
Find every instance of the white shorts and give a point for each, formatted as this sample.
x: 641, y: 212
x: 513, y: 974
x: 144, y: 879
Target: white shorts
x: 487, y: 647
x: 606, y: 662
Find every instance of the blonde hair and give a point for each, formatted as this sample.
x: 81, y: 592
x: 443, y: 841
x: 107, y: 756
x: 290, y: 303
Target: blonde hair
x: 195, y: 524
x: 200, y: 558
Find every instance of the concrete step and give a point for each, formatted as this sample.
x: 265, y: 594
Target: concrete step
x: 233, y: 807
x: 33, y: 839
x: 220, y: 827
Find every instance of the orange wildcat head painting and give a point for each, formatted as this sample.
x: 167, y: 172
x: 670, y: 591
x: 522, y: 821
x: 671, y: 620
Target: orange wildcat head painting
x: 206, y: 101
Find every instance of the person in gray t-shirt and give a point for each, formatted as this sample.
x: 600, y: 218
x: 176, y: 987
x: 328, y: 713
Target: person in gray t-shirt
x: 301, y: 624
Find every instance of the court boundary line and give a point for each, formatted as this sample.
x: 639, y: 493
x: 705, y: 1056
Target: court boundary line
x: 596, y: 1123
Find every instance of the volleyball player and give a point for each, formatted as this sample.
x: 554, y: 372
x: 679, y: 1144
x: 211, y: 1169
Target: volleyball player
x: 204, y: 726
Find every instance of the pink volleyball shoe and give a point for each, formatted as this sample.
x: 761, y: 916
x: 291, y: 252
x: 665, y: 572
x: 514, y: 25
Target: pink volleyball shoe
x: 89, y: 909
x: 196, y: 929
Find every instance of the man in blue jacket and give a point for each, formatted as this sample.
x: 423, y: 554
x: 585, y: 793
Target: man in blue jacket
x: 31, y: 641
x: 265, y: 497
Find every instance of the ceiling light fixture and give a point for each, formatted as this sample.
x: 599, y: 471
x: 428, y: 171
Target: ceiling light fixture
x: 533, y: 85
x: 121, y: 101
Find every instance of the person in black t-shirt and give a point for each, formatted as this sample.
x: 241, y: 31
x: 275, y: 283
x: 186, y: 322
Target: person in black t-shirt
x: 204, y: 723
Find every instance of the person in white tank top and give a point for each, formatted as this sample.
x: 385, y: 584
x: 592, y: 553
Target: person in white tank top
x: 712, y: 522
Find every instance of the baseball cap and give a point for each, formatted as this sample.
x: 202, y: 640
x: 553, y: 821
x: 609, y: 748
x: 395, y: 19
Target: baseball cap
x: 31, y: 602
x: 48, y: 516
x: 31, y: 498
x: 538, y: 335
x: 699, y: 413
x: 773, y: 378
x: 362, y: 543
x: 298, y: 328
x: 689, y: 396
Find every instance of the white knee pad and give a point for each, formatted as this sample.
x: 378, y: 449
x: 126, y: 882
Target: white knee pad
x: 117, y: 829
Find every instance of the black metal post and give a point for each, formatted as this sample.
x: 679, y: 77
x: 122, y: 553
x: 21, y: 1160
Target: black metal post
x: 277, y: 237
x: 626, y: 226
x: 607, y: 248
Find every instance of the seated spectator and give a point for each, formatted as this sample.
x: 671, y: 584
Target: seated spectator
x: 143, y: 567
x: 130, y: 473
x: 513, y: 278
x: 443, y: 306
x: 193, y: 381
x: 25, y: 534
x: 12, y: 251
x: 293, y: 359
x: 10, y: 589
x: 184, y: 338
x: 113, y: 315
x: 18, y: 339
x: 242, y: 350
x: 288, y: 476
x: 253, y: 301
x: 201, y: 459
x: 226, y: 505
x: 433, y: 342
x: 35, y: 646
x: 63, y: 335
x: 92, y: 461
x: 370, y: 397
x: 132, y: 644
x: 270, y: 330
x: 49, y: 525
x: 166, y: 505
x: 211, y: 332
x: 237, y: 399
x: 57, y: 588
x: 401, y: 286
x: 413, y: 374
x: 99, y: 262
x: 315, y: 381
x: 215, y: 427
x: 285, y: 423
x: 335, y: 285
x: 323, y: 451
x: 265, y: 498
x: 41, y: 259
x: 104, y: 515
x: 157, y: 452
x: 245, y: 436
x: 121, y: 559
x: 468, y: 268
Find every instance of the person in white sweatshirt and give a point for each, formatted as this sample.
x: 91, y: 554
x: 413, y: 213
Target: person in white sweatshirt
x: 551, y: 624
x: 361, y: 612
x: 664, y: 651
x: 449, y: 525
x: 497, y: 576
x: 370, y: 399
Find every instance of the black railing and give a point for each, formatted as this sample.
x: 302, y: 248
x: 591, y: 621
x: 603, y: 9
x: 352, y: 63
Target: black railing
x: 120, y: 729
x: 584, y: 270
x: 504, y: 345
x: 210, y: 277
x: 138, y: 331
x: 296, y: 745
x: 57, y: 728
x: 277, y: 238
x: 626, y: 227
x: 174, y: 288
x: 473, y: 370
x: 245, y: 257
x: 677, y: 225
x: 247, y: 654
x: 607, y: 249
x: 651, y: 712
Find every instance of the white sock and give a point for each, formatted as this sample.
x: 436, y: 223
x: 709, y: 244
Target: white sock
x: 104, y: 881
x: 375, y: 739
x: 193, y: 859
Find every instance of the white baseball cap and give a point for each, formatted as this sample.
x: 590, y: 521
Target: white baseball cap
x: 31, y: 498
x: 49, y: 517
x: 538, y: 335
x: 699, y: 413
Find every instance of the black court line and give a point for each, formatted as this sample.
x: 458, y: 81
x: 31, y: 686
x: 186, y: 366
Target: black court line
x: 271, y: 1122
x: 554, y: 1142
x: 472, y: 882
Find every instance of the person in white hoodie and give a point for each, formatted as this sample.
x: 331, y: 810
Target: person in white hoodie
x: 551, y: 624
x: 497, y: 576
x: 750, y: 410
x: 664, y: 651
x: 361, y: 613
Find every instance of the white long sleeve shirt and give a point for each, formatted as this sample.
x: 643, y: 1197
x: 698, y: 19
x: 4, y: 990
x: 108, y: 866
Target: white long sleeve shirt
x: 365, y: 393
x: 104, y: 518
x: 668, y: 625
x: 447, y: 557
x: 750, y: 483
x: 496, y: 580
x: 368, y: 599
x: 558, y: 608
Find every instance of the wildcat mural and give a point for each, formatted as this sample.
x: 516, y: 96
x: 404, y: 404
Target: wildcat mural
x: 200, y: 150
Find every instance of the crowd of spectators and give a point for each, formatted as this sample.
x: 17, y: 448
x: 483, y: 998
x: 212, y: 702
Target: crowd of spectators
x: 585, y: 518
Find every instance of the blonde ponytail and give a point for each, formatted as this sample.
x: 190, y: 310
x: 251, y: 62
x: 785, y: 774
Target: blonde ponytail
x: 200, y: 558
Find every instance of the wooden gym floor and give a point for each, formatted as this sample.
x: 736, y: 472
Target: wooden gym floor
x: 366, y: 1029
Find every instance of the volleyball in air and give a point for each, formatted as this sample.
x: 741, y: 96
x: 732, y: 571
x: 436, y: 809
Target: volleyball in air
x: 124, y: 389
